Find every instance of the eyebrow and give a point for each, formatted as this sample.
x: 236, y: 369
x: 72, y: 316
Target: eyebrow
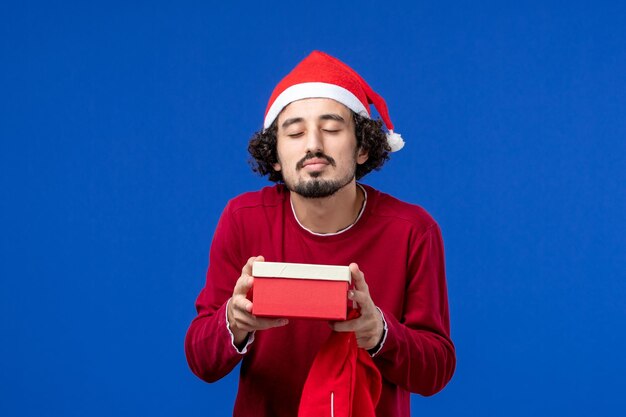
x: 328, y: 116
x: 332, y: 116
x: 291, y: 121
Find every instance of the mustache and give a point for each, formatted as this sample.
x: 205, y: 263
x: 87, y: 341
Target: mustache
x: 319, y: 155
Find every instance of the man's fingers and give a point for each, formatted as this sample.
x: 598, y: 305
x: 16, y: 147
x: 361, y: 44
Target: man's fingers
x: 362, y: 298
x: 242, y: 304
x: 358, y: 278
x: 346, y: 326
x: 247, y: 268
x: 262, y: 323
x: 243, y: 285
x: 245, y: 320
x: 239, y: 314
x: 251, y: 323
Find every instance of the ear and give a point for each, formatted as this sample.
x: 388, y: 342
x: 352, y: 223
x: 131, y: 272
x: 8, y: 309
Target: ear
x: 277, y: 166
x: 362, y: 156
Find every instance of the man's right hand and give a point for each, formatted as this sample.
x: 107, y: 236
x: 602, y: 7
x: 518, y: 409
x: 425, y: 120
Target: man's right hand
x: 240, y: 318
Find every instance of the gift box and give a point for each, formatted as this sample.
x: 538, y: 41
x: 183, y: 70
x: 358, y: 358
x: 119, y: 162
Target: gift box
x: 300, y: 290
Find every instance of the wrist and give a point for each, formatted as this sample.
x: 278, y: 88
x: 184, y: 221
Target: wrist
x: 383, y: 335
x: 240, y: 339
x: 378, y: 344
x: 239, y: 336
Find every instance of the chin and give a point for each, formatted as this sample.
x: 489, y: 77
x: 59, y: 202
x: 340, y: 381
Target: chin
x: 317, y: 187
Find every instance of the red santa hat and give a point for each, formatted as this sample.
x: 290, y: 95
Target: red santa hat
x: 320, y: 75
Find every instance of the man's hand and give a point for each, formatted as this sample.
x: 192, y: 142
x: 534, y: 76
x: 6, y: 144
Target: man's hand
x: 368, y: 328
x: 240, y: 318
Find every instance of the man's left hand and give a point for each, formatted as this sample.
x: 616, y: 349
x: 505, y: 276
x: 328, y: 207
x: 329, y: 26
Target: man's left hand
x: 368, y: 328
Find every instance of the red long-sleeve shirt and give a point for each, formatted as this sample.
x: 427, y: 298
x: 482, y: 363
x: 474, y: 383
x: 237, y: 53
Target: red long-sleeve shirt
x: 398, y: 247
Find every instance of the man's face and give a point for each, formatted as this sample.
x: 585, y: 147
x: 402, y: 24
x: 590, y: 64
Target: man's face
x: 317, y: 152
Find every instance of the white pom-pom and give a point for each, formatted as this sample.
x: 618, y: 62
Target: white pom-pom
x: 395, y: 141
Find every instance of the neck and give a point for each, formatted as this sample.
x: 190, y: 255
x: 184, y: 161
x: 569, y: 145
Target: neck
x: 329, y: 214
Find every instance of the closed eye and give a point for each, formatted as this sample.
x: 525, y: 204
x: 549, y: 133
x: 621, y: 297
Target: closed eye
x: 295, y: 135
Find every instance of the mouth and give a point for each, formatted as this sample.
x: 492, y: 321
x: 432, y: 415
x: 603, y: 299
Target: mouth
x: 315, y: 162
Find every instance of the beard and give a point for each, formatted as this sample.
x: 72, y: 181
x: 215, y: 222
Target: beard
x: 319, y: 188
x: 316, y: 187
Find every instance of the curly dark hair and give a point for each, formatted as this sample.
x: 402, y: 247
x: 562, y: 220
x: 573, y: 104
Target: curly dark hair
x: 369, y: 136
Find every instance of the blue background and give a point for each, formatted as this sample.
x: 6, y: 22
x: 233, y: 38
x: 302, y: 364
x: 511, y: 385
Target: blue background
x: 123, y: 134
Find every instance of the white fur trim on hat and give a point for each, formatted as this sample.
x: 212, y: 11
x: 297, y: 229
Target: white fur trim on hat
x: 395, y: 141
x: 314, y: 90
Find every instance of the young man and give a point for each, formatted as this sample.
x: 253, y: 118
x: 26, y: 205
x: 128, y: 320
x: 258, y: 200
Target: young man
x: 317, y: 141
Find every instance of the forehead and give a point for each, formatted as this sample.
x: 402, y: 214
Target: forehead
x: 313, y: 108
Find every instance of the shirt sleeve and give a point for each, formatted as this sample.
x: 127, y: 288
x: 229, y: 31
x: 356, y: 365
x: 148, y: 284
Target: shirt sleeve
x: 211, y: 353
x: 418, y: 354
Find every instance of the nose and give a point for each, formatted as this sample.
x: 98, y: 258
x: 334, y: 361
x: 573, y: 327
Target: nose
x: 314, y: 142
